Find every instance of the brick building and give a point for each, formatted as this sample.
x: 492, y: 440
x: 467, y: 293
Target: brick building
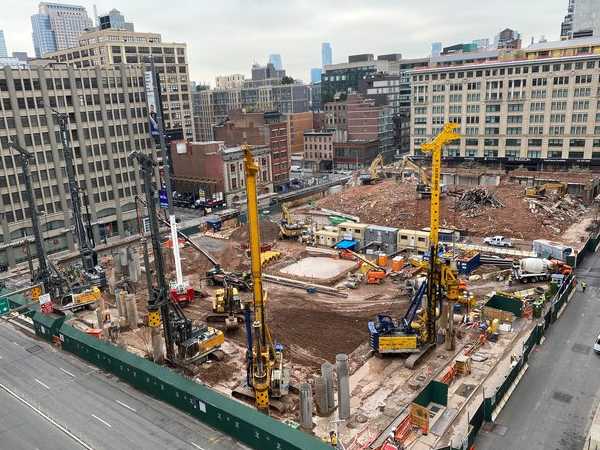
x: 214, y: 168
x: 318, y: 150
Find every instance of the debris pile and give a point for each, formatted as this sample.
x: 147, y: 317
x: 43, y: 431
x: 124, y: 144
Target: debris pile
x: 498, y: 210
x: 567, y: 209
x: 473, y: 200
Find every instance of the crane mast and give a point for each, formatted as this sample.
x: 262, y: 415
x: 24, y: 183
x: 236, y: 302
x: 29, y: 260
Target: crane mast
x: 261, y: 373
x: 89, y: 256
x: 43, y: 274
x: 438, y: 275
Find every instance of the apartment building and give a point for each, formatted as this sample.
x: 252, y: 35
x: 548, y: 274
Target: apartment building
x: 539, y: 103
x: 115, y: 46
x: 107, y: 120
x: 318, y: 150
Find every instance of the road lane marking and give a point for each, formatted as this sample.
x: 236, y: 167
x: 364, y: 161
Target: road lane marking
x: 125, y: 405
x: 101, y: 420
x: 47, y: 418
x: 67, y: 372
x: 197, y: 446
x: 43, y: 384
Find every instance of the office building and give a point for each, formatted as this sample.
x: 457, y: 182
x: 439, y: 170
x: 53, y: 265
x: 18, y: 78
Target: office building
x: 232, y: 81
x: 315, y: 74
x: 586, y: 17
x: 275, y: 59
x: 483, y: 43
x: 58, y: 26
x: 3, y: 50
x: 436, y: 48
x: 566, y: 27
x: 113, y: 46
x: 326, y: 54
x: 264, y: 92
x: 395, y: 91
x: 538, y: 104
x: 107, y: 120
x: 115, y: 20
x: 340, y: 79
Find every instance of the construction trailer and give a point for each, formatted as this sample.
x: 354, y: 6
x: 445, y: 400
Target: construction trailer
x: 381, y: 239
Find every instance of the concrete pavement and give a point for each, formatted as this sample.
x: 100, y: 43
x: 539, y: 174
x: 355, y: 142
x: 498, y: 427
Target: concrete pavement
x: 101, y: 411
x: 553, y: 405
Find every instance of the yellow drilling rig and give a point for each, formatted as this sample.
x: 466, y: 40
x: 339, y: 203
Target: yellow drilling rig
x: 267, y: 377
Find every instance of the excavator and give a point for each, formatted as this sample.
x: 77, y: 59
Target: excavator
x: 288, y: 227
x: 227, y: 307
x: 373, y: 176
x: 416, y: 334
x: 266, y: 374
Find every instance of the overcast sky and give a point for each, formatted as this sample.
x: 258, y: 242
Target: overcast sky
x: 227, y: 36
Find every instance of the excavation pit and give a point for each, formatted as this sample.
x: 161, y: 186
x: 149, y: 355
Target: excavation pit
x: 319, y: 269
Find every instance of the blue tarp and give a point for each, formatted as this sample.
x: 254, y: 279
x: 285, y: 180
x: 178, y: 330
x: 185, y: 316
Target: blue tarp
x: 347, y: 244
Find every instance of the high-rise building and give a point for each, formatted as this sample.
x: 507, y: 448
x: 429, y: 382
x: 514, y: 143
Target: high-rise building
x: 235, y: 80
x: 566, y: 27
x: 113, y: 46
x: 326, y: 54
x: 3, y: 50
x: 436, y: 48
x: 107, y: 120
x: 275, y: 59
x: 338, y: 79
x: 538, y: 104
x: 586, y: 18
x: 315, y: 75
x: 58, y: 26
x: 114, y: 19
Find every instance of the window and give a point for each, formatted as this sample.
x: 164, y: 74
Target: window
x: 583, y: 79
x: 582, y: 92
x: 472, y: 108
x: 555, y: 143
x: 513, y: 131
x: 560, y: 93
x: 514, y: 119
x: 536, y: 130
x: 536, y: 118
x: 556, y: 130
x: 515, y: 107
x: 579, y: 118
x: 513, y: 142
x: 539, y: 81
x: 578, y: 130
x: 559, y: 106
x: 492, y: 108
x: 537, y: 106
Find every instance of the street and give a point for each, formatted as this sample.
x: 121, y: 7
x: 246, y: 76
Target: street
x: 553, y: 405
x: 45, y: 392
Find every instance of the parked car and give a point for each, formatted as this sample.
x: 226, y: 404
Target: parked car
x: 597, y: 345
x: 497, y: 241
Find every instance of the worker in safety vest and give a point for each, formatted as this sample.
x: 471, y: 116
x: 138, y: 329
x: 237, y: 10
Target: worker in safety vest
x: 333, y: 439
x: 583, y: 286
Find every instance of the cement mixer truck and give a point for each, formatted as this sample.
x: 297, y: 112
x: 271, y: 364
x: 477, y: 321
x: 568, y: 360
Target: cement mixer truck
x: 537, y: 269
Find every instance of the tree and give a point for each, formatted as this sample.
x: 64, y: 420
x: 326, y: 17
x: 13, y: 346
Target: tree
x: 287, y: 80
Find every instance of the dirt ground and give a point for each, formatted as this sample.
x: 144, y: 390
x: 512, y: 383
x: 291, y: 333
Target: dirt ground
x: 395, y: 204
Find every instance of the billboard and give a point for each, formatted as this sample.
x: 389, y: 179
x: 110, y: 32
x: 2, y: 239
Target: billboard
x: 151, y: 100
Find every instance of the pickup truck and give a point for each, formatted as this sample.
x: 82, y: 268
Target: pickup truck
x: 497, y: 241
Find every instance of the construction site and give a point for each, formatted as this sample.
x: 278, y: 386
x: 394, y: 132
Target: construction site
x: 376, y: 316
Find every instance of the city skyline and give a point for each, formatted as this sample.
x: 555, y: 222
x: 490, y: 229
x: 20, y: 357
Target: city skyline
x: 356, y: 30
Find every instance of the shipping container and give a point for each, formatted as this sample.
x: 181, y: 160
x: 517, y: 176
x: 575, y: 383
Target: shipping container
x: 384, y: 239
x: 548, y: 249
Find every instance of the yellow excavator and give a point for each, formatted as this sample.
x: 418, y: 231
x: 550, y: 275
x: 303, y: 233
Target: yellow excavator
x: 267, y: 377
x: 415, y: 333
x: 373, y: 176
x: 288, y: 227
